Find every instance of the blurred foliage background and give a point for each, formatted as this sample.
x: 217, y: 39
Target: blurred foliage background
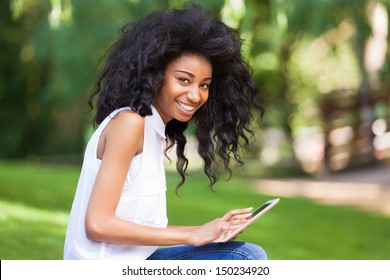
x: 322, y: 67
x: 323, y: 70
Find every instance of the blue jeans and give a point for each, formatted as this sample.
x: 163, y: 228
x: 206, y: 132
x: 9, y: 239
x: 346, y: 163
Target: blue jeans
x: 233, y: 250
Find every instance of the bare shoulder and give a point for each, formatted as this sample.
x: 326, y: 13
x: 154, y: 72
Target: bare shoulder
x: 128, y: 120
x: 124, y: 134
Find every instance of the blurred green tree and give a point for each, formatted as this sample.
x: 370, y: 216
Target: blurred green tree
x: 50, y: 52
x: 293, y: 76
x: 48, y: 63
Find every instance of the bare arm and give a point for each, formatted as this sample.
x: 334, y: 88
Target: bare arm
x: 123, y: 138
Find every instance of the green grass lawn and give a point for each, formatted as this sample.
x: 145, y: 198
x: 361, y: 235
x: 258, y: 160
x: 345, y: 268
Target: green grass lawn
x: 35, y: 201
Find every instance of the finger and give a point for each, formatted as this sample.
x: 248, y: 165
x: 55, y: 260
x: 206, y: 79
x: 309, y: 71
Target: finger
x: 235, y: 212
x: 229, y: 227
x: 243, y: 217
x: 238, y: 222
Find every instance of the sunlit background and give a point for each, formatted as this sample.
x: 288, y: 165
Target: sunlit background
x: 322, y: 67
x: 323, y: 75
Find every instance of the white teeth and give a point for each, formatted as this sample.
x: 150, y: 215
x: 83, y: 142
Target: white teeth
x: 186, y: 107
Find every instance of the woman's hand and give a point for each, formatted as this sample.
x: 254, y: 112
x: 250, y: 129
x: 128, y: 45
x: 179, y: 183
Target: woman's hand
x: 218, y: 228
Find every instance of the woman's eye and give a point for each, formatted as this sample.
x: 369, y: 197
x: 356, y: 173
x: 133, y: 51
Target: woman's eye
x: 184, y: 80
x: 205, y: 86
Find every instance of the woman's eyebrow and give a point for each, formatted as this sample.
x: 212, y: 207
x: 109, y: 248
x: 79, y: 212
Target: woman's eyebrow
x: 186, y: 72
x: 191, y: 75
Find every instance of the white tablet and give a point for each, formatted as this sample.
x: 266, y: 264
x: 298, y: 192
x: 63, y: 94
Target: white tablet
x: 255, y: 215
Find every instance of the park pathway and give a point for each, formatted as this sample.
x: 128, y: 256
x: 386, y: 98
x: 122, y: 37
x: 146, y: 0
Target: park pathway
x: 366, y: 188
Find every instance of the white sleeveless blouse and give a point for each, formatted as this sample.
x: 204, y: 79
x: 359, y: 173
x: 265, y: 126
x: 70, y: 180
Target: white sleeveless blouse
x: 142, y: 200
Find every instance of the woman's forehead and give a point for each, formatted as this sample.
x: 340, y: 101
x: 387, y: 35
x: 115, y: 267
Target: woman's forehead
x: 191, y: 62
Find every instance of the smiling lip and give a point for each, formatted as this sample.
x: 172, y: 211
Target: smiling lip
x: 185, y: 107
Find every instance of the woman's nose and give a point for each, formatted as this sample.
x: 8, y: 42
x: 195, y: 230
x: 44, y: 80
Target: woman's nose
x: 194, y: 95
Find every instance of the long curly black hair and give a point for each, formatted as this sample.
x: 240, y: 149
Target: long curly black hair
x: 134, y: 74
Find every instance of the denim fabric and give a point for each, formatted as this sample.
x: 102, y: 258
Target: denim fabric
x: 233, y: 250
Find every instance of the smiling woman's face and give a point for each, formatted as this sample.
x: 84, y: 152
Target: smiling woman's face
x: 185, y: 89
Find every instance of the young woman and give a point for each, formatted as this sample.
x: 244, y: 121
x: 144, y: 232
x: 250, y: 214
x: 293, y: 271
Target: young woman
x: 170, y: 68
